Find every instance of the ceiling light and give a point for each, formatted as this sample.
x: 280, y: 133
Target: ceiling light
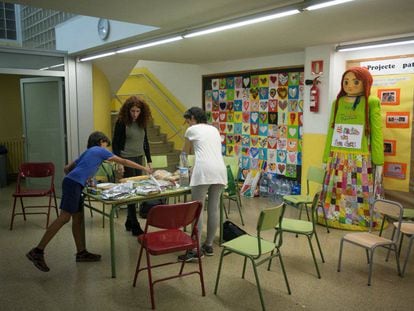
x: 84, y: 59
x: 374, y: 44
x: 241, y: 23
x: 325, y: 4
x: 149, y: 44
x: 53, y: 66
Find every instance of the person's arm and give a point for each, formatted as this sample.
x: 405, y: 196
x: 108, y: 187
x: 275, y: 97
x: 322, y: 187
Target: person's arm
x: 328, y: 141
x: 118, y: 141
x: 147, y: 149
x: 126, y: 162
x: 69, y: 167
x: 187, y: 148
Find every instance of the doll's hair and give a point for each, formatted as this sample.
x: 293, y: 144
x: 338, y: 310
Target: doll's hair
x: 125, y: 115
x: 363, y: 74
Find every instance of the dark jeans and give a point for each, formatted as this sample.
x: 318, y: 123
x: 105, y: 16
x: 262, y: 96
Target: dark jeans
x: 130, y: 172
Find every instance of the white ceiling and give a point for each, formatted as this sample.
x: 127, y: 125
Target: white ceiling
x: 358, y: 20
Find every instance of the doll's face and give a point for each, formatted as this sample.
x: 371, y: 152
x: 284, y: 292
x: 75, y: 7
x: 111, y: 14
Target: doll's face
x: 352, y: 86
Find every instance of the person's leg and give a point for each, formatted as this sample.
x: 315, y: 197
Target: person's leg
x: 132, y: 223
x: 214, y: 192
x: 51, y: 231
x: 198, y: 193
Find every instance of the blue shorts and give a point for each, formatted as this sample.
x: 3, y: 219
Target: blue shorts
x: 72, y: 197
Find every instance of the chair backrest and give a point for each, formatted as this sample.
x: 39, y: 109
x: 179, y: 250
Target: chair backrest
x: 159, y: 161
x: 316, y: 175
x: 231, y: 187
x: 233, y: 162
x: 391, y: 209
x: 105, y: 173
x: 37, y: 170
x: 270, y: 219
x: 174, y: 216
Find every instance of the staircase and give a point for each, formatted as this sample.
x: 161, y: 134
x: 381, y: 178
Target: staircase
x: 160, y: 146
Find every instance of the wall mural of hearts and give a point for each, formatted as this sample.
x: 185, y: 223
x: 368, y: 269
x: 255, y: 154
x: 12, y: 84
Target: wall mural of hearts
x: 260, y: 118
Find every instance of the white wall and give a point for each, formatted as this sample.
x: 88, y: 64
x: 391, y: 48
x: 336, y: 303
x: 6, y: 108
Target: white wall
x: 68, y: 33
x: 185, y: 80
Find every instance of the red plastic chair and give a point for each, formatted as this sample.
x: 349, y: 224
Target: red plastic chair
x: 171, y: 219
x: 29, y: 171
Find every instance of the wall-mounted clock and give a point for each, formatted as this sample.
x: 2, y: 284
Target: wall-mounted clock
x: 103, y: 28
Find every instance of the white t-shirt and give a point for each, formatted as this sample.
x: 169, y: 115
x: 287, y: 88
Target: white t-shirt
x: 209, y: 167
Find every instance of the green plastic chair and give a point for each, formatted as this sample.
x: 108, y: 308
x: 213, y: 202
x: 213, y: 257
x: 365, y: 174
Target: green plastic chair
x: 306, y: 228
x: 232, y: 193
x: 159, y: 161
x: 256, y: 249
x: 315, y: 175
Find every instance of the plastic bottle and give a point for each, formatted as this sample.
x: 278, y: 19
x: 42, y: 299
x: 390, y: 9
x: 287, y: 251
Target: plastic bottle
x: 277, y: 194
x: 184, y: 171
x: 264, y: 186
x: 272, y: 183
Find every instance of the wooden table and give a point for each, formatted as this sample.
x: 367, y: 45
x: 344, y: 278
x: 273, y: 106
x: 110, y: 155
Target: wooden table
x: 115, y: 204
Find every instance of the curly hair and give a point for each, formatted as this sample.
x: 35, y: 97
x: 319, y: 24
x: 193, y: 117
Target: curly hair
x: 363, y: 74
x: 125, y: 116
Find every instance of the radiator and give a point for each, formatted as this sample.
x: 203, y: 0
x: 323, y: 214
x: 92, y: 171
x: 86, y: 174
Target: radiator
x: 15, y: 153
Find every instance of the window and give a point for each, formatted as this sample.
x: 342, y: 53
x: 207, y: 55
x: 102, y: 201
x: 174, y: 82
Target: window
x: 7, y: 21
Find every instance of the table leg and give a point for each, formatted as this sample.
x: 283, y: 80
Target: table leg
x: 112, y: 237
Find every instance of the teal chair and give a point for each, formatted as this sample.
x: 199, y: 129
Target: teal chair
x: 306, y: 228
x: 315, y: 175
x: 256, y: 249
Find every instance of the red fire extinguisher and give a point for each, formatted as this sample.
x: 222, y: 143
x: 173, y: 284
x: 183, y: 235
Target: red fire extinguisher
x: 314, y: 95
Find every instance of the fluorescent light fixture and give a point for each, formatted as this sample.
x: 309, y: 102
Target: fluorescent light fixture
x: 149, y: 44
x: 53, y: 66
x: 241, y: 23
x: 84, y: 59
x: 325, y: 4
x: 375, y: 44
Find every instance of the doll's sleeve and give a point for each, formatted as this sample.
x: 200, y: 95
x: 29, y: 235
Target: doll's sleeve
x: 328, y: 141
x: 377, y: 140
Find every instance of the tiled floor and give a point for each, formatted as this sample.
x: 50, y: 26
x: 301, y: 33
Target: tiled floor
x: 89, y: 286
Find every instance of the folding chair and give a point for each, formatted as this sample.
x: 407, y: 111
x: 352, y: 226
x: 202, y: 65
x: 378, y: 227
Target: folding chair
x: 371, y: 241
x: 256, y: 249
x: 40, y: 178
x: 171, y: 219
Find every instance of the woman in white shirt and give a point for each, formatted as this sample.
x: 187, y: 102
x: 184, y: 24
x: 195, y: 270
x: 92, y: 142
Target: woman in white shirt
x: 209, y: 174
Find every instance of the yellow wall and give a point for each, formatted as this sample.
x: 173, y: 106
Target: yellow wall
x: 101, y: 102
x: 313, y: 147
x: 11, y: 124
x: 135, y: 84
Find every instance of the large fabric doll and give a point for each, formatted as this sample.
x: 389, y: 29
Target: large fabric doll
x: 353, y: 153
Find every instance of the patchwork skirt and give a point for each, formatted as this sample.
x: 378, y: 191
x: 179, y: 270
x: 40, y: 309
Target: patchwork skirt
x: 348, y: 191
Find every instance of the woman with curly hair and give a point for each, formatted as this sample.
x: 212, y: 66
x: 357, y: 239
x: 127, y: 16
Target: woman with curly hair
x: 130, y: 141
x: 353, y: 153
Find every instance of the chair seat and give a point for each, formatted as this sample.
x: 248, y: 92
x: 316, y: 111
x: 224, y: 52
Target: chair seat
x: 298, y: 199
x: 247, y: 244
x: 166, y: 241
x: 406, y: 227
x: 366, y: 239
x: 297, y: 226
x: 32, y: 193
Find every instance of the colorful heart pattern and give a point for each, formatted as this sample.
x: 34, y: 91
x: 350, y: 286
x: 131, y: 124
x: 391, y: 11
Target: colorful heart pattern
x: 260, y: 119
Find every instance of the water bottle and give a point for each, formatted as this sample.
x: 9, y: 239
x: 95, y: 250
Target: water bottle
x: 285, y: 188
x: 264, y: 186
x: 296, y: 188
x: 277, y: 192
x: 184, y: 171
x: 272, y: 182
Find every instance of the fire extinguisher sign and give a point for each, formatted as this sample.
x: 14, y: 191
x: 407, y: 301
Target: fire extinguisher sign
x: 317, y: 67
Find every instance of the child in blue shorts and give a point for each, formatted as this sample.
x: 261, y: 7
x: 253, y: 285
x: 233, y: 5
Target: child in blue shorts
x: 77, y: 174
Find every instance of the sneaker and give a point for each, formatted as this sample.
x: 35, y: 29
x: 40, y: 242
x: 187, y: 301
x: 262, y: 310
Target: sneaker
x: 207, y: 250
x: 38, y: 260
x: 190, y: 256
x: 85, y: 256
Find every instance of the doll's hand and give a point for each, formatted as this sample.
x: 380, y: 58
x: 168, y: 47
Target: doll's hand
x: 378, y: 181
